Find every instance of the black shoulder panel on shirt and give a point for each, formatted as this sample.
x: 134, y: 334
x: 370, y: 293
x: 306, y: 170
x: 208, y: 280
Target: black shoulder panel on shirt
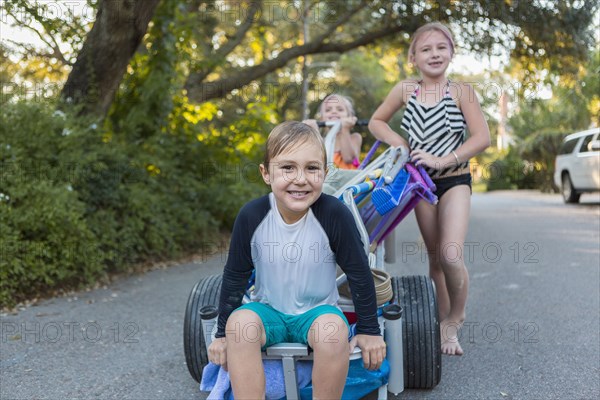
x: 239, y: 266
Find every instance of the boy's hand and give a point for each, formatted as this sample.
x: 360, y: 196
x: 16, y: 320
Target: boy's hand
x: 373, y: 350
x: 217, y: 352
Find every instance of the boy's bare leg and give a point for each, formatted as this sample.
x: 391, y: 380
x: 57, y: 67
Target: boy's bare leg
x: 245, y: 337
x: 328, y: 338
x: 453, y: 221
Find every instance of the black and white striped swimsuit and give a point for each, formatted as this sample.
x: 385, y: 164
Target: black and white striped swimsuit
x: 437, y: 130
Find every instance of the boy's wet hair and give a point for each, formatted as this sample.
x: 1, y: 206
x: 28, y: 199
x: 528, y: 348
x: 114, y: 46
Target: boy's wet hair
x: 431, y: 26
x: 289, y: 135
x: 345, y: 99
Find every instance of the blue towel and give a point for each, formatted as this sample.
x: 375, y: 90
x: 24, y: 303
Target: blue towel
x: 359, y: 382
x: 216, y: 380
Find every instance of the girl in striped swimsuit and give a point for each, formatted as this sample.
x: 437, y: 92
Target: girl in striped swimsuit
x: 436, y: 116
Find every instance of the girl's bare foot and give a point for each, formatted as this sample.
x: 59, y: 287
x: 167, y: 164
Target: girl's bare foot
x: 449, y: 334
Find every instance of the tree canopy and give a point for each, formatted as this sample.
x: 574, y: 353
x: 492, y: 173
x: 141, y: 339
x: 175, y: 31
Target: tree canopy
x: 227, y: 45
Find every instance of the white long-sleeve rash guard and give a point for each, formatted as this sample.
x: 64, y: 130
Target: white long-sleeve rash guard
x: 296, y: 263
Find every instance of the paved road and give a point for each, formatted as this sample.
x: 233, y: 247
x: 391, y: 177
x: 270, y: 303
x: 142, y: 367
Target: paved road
x: 532, y: 330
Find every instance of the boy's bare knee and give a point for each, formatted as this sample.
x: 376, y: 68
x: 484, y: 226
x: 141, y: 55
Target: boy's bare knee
x: 243, y: 316
x: 245, y: 327
x: 329, y: 334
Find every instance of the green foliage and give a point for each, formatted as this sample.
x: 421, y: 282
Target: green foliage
x: 590, y: 85
x: 361, y: 75
x: 146, y: 98
x: 565, y: 111
x: 528, y: 164
x: 240, y: 142
x: 508, y: 171
x: 541, y: 149
x: 541, y: 124
x: 78, y: 201
x: 7, y: 70
x: 45, y: 242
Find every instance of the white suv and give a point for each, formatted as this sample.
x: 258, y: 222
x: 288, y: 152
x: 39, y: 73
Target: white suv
x: 577, y: 165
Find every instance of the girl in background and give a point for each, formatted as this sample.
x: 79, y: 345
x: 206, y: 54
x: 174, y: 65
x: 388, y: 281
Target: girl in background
x: 337, y: 107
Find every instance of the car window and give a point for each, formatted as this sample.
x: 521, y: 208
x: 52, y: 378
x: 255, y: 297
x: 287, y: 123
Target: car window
x: 595, y: 138
x: 584, y: 145
x: 568, y: 146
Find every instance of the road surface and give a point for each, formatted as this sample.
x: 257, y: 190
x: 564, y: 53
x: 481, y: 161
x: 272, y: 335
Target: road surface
x: 532, y: 329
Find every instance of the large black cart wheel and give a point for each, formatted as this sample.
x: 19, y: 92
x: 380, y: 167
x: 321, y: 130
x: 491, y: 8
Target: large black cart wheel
x: 205, y: 292
x: 570, y: 195
x: 420, y: 331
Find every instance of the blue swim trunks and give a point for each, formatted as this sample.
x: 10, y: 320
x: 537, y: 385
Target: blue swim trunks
x: 281, y: 328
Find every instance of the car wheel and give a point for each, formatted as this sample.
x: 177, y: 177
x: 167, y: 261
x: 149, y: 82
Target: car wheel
x: 569, y: 193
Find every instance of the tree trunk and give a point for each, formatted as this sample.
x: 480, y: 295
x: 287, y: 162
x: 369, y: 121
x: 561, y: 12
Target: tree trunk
x: 117, y: 32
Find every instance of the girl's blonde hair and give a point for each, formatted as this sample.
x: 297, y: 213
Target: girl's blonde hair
x: 290, y: 135
x: 345, y: 99
x: 431, y: 26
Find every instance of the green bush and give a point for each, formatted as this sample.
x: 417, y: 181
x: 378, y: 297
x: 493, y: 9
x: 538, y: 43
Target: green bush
x: 542, y: 147
x: 498, y: 176
x: 45, y: 242
x: 510, y: 170
x: 78, y: 201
